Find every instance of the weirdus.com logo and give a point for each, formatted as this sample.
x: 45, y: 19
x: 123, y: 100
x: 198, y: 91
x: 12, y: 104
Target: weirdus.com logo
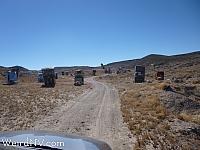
x: 31, y: 142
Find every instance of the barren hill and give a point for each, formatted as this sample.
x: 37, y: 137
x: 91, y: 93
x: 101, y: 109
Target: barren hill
x: 20, y: 68
x: 60, y: 69
x: 160, y: 118
x: 155, y: 59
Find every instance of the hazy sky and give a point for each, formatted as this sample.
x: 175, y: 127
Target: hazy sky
x: 47, y: 33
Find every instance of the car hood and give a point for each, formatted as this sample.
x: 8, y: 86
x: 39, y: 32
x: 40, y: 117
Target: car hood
x: 48, y: 140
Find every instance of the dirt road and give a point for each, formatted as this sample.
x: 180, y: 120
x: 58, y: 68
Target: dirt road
x: 96, y: 113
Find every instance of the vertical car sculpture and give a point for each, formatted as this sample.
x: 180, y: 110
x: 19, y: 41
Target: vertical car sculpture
x: 139, y: 74
x: 11, y: 77
x: 78, y: 79
x: 49, y: 77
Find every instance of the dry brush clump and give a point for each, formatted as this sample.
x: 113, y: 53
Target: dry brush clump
x: 189, y: 118
x: 28, y: 78
x: 145, y: 116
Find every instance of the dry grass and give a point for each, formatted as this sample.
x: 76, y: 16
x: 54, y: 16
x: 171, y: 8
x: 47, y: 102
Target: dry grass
x: 142, y: 107
x: 144, y: 113
x: 195, y: 81
x: 146, y: 117
x: 196, y: 119
x: 26, y: 102
x: 163, y: 86
x: 184, y: 117
x: 189, y: 118
x: 28, y: 79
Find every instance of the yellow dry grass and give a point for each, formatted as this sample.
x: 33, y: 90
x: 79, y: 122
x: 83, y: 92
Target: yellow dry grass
x: 24, y: 103
x: 189, y: 118
x: 144, y: 114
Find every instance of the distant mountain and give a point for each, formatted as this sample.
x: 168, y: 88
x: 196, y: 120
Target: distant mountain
x: 155, y: 59
x: 60, y: 69
x: 14, y: 67
x: 19, y: 68
x: 2, y: 67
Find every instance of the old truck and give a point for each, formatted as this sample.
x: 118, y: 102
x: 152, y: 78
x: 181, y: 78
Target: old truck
x: 11, y: 77
x: 78, y: 78
x: 49, y: 77
x: 139, y: 74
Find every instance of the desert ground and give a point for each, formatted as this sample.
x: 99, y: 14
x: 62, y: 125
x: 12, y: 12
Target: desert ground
x: 161, y: 114
x: 91, y: 110
x: 24, y: 103
x: 96, y: 113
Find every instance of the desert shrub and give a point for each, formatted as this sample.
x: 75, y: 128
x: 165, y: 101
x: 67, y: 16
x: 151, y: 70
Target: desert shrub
x: 196, y: 119
x: 164, y: 86
x: 189, y: 118
x: 196, y: 81
x: 189, y: 90
x: 177, y: 88
x: 28, y: 79
x: 184, y: 117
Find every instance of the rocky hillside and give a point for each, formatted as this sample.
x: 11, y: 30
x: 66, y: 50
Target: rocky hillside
x: 158, y: 60
x: 2, y: 68
x: 161, y: 114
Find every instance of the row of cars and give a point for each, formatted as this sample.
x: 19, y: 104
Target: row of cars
x: 140, y: 74
x: 48, y: 76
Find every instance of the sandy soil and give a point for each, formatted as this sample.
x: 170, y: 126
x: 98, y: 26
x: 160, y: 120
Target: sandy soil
x: 24, y: 103
x: 96, y: 113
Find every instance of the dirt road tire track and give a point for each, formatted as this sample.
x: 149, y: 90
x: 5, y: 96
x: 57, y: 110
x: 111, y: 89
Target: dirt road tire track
x: 96, y: 113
